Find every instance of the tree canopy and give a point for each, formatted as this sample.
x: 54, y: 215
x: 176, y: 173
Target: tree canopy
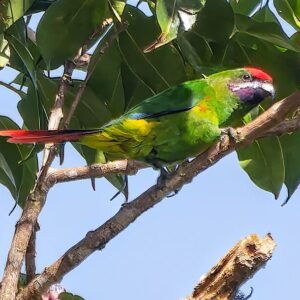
x: 127, y: 53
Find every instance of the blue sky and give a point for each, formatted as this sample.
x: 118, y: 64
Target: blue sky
x: 163, y: 254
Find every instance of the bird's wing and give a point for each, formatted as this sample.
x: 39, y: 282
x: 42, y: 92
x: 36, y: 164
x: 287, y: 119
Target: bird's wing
x: 173, y: 100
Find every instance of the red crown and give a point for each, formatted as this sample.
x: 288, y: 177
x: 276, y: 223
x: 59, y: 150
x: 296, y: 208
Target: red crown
x: 259, y: 74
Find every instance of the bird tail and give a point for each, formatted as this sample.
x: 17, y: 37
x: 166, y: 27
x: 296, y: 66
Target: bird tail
x: 20, y: 136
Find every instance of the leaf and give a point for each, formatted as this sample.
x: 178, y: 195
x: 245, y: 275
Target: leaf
x: 11, y: 11
x: 265, y: 15
x: 174, y: 16
x: 244, y: 7
x: 215, y: 21
x: 291, y: 147
x: 4, y: 51
x: 66, y: 26
x: 157, y: 70
x: 289, y: 10
x: 108, y: 85
x: 18, y: 178
x: 267, y: 31
x: 264, y: 164
x: 69, y: 296
x: 40, y: 5
x: 24, y: 54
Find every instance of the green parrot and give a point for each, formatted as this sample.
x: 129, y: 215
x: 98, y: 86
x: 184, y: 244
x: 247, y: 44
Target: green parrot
x: 176, y: 124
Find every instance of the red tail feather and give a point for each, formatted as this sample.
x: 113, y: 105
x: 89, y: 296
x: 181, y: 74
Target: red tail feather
x: 20, y: 136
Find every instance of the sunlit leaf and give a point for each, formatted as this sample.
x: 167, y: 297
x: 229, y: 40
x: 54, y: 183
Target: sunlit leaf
x: 11, y: 11
x: 289, y: 10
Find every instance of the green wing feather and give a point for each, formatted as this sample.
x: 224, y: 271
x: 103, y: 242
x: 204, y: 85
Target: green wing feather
x: 173, y: 100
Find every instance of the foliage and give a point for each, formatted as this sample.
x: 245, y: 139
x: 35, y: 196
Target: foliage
x: 185, y: 39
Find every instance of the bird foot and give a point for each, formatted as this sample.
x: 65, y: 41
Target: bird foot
x: 230, y: 133
x: 164, y: 175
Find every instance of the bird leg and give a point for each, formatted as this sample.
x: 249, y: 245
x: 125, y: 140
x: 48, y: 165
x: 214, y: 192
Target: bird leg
x: 165, y: 173
x: 230, y: 133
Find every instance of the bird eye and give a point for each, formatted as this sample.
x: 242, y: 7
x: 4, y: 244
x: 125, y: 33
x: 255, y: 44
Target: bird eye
x: 246, y: 77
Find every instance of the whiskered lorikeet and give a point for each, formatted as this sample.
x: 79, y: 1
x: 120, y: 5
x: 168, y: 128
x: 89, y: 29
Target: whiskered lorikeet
x: 173, y: 125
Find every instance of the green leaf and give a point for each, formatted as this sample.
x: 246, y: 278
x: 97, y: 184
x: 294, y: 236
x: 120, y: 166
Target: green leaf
x: 265, y: 14
x: 69, y: 296
x: 289, y: 10
x: 18, y: 178
x: 40, y: 5
x: 267, y: 31
x: 215, y: 21
x: 4, y: 51
x: 157, y: 70
x: 25, y: 56
x: 264, y: 164
x: 244, y: 7
x: 66, y: 26
x: 11, y: 11
x: 291, y: 148
x: 108, y: 85
x: 174, y: 16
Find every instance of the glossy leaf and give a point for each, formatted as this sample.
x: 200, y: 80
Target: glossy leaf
x: 289, y: 10
x: 264, y: 164
x: 65, y: 27
x: 291, y: 148
x: 11, y: 11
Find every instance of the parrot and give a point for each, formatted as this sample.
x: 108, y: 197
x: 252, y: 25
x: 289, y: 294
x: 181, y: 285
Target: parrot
x: 173, y: 125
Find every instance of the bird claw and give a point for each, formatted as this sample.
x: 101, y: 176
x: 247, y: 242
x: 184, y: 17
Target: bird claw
x: 230, y: 133
x: 165, y: 174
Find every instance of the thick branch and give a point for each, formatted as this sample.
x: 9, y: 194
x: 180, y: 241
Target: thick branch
x: 33, y: 205
x: 237, y: 266
x: 30, y: 256
x: 128, y: 213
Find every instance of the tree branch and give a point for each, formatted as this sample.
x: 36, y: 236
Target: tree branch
x: 92, y: 67
x: 237, y: 266
x: 34, y: 203
x: 97, y: 239
x: 30, y: 256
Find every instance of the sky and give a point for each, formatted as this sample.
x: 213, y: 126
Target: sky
x: 165, y: 252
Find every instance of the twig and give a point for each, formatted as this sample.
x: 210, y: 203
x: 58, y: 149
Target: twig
x: 98, y: 238
x: 128, y: 167
x: 237, y: 266
x: 91, y: 69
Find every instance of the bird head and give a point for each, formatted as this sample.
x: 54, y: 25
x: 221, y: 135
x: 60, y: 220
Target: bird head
x: 251, y: 85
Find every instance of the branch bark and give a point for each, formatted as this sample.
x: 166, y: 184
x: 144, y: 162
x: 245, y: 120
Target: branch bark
x: 36, y: 199
x: 30, y: 256
x: 239, y: 264
x: 97, y: 239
